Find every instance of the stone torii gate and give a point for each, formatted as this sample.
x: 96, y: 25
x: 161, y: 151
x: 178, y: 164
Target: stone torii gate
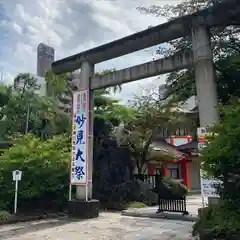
x: 197, y: 26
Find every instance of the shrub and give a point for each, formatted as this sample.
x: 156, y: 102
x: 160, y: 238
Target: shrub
x: 4, y: 215
x: 45, y: 167
x: 171, y: 188
x: 218, y: 221
x: 175, y: 186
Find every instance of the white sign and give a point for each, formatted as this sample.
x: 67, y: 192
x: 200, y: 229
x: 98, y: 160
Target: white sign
x: 80, y: 124
x: 17, y: 175
x: 201, y: 131
x: 209, y: 187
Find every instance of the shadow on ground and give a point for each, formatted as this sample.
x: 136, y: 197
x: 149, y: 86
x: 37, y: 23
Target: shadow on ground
x: 7, y: 231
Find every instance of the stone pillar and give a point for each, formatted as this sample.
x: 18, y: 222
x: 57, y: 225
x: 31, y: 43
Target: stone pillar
x: 81, y: 208
x: 204, y: 76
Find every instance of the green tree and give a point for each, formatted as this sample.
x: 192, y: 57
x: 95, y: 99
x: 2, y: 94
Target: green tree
x: 221, y: 157
x: 22, y: 110
x: 27, y: 82
x: 57, y: 84
x: 108, y: 108
x: 221, y: 160
x: 45, y: 166
x: 141, y: 132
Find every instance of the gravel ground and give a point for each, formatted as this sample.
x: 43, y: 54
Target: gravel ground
x: 109, y: 226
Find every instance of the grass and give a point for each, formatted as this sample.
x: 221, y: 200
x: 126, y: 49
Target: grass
x: 136, y: 205
x: 4, y: 215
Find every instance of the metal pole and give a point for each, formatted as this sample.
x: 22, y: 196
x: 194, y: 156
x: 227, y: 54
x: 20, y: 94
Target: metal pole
x: 16, y: 196
x: 70, y: 192
x: 27, y: 119
x: 86, y: 191
x: 202, y: 195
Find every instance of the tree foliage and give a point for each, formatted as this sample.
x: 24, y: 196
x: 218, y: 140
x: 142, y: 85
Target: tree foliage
x: 23, y: 110
x: 57, y: 84
x: 221, y: 158
x: 27, y: 82
x: 45, y: 166
x: 151, y: 116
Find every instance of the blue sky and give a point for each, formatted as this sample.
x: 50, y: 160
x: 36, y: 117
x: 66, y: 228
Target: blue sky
x: 71, y: 26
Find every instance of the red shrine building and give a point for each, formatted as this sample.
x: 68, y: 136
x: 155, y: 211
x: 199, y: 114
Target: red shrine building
x: 186, y: 168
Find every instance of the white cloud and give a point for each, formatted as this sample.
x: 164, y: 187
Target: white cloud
x: 71, y: 26
x: 17, y: 28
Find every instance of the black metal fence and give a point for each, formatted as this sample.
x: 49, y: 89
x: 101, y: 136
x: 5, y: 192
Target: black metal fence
x: 167, y: 202
x: 172, y: 205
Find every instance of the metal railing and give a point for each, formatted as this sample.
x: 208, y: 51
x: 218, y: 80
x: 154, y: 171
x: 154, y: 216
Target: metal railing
x: 166, y: 202
x: 172, y: 205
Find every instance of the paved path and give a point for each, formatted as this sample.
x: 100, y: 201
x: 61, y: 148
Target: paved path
x: 109, y: 226
x: 193, y: 204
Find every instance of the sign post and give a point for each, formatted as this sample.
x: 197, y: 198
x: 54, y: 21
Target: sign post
x: 17, y: 176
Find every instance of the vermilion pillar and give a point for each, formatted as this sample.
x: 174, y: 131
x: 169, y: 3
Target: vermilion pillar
x: 185, y: 173
x: 151, y: 169
x: 165, y: 171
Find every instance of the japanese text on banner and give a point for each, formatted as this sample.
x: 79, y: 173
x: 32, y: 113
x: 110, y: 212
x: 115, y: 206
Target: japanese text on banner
x: 79, y: 138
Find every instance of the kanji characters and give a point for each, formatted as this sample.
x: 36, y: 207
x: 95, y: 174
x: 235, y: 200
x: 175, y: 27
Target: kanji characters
x: 79, y: 173
x: 80, y: 137
x: 80, y: 119
x: 79, y: 155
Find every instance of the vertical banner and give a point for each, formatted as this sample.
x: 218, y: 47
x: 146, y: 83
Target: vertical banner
x: 79, y: 163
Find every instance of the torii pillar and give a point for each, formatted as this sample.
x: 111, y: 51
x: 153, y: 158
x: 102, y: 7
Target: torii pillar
x: 205, y: 81
x: 84, y: 206
x: 204, y: 76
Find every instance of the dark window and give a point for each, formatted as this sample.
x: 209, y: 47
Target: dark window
x: 174, y: 173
